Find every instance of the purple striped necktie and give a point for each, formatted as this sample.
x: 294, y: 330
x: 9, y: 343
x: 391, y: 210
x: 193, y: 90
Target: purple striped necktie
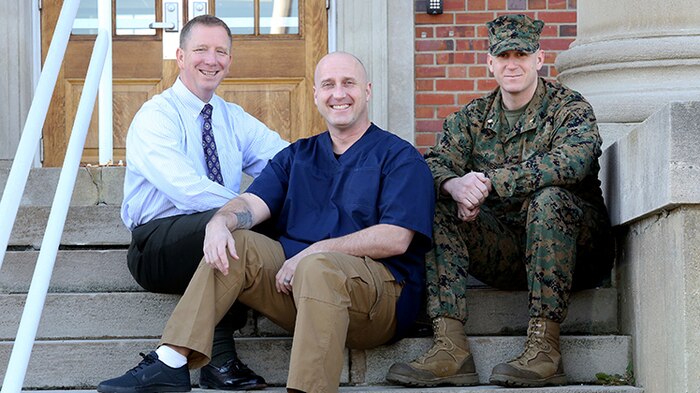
x: 211, y: 157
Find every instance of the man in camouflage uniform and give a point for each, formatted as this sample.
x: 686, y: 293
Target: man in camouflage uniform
x: 520, y: 206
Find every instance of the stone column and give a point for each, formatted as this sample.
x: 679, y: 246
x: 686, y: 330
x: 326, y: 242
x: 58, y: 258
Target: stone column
x: 381, y: 34
x: 631, y: 57
x: 638, y: 63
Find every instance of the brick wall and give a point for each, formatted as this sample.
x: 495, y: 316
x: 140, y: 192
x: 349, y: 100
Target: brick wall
x: 450, y: 53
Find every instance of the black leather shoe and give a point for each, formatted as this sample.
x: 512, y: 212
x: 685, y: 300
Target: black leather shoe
x: 149, y: 376
x: 233, y: 375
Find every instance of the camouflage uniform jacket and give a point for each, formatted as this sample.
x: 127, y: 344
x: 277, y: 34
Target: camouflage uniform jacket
x: 555, y: 143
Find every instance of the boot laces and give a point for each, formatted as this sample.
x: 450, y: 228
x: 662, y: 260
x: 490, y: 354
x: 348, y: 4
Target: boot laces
x: 147, y: 361
x: 533, y: 344
x: 439, y: 343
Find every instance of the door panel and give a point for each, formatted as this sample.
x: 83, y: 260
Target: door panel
x: 271, y: 74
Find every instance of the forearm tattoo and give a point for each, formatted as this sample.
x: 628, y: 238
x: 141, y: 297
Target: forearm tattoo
x: 244, y: 219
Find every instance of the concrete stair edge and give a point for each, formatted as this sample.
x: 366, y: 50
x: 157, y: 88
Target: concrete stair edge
x: 443, y: 389
x: 143, y: 314
x: 83, y: 363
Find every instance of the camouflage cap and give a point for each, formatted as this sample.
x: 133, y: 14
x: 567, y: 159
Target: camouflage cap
x: 514, y: 32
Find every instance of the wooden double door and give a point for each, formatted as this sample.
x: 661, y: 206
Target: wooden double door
x: 276, y: 44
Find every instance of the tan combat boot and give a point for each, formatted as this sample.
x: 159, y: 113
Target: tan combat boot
x: 540, y: 363
x: 447, y: 362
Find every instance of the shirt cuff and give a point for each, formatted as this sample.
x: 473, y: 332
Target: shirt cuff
x: 501, y: 181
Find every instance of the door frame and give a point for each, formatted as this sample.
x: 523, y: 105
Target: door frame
x: 395, y: 64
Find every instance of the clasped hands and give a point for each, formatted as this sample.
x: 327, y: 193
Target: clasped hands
x: 470, y: 192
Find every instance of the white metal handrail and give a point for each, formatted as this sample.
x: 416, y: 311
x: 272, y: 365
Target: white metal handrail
x: 26, y: 333
x: 31, y: 134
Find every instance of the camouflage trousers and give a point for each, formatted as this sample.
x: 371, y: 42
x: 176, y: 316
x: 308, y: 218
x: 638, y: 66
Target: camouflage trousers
x: 554, y: 243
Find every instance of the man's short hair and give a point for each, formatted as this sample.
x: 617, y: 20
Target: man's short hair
x: 206, y: 20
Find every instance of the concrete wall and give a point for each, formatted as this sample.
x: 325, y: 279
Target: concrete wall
x: 651, y: 181
x: 15, y: 72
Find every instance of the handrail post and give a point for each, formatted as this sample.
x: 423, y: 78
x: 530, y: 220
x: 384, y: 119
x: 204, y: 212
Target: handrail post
x: 36, y: 297
x: 31, y: 133
x: 105, y: 132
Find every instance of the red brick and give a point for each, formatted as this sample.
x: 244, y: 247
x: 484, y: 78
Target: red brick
x: 427, y: 30
x: 434, y: 99
x: 456, y: 72
x: 425, y: 84
x: 472, y: 45
x: 497, y: 4
x: 444, y: 111
x: 486, y: 84
x: 476, y: 5
x: 453, y: 5
x: 425, y: 59
x: 464, y: 99
x: 536, y: 4
x: 478, y: 71
x: 434, y: 45
x: 445, y: 58
x: 465, y: 58
x: 454, y: 85
x: 550, y: 57
x: 553, y: 72
x: 428, y: 126
x: 557, y: 4
x: 473, y: 18
x: 517, y: 5
x: 442, y: 19
x: 571, y: 4
x: 425, y: 112
x: 457, y: 31
x: 425, y: 139
x: 550, y: 31
x: 567, y: 31
x: 481, y: 58
x: 482, y: 31
x: 531, y: 14
x: 430, y: 72
x: 556, y: 43
x: 557, y: 16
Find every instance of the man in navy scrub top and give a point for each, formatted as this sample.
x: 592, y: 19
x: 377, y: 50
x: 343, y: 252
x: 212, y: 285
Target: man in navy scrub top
x: 353, y: 210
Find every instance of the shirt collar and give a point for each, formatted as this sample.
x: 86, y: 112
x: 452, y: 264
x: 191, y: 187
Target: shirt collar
x: 191, y: 102
x: 530, y: 119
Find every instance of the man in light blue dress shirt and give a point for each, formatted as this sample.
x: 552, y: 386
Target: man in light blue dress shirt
x: 168, y: 197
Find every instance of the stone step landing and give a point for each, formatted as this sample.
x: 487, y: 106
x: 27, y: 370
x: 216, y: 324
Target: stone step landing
x: 81, y: 364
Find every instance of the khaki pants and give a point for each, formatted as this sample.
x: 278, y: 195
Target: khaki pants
x: 338, y: 300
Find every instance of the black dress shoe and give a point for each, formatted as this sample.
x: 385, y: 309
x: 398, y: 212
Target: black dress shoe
x: 233, y: 375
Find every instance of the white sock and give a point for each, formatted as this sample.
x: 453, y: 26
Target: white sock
x: 170, y: 357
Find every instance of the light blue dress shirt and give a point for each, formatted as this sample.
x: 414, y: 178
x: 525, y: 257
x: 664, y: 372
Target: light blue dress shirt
x: 165, y: 169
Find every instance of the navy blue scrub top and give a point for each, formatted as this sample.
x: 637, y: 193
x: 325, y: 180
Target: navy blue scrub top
x: 380, y: 179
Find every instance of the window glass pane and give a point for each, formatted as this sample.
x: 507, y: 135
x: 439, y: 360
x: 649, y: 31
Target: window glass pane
x: 239, y: 15
x: 279, y: 16
x: 86, y: 19
x: 133, y: 17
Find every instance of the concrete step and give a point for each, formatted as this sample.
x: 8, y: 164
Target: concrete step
x: 95, y: 225
x: 93, y: 186
x: 101, y: 280
x: 471, y: 389
x: 142, y: 314
x: 74, y: 271
x: 81, y: 364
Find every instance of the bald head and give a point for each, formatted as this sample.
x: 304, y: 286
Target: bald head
x: 334, y: 59
x: 341, y: 93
